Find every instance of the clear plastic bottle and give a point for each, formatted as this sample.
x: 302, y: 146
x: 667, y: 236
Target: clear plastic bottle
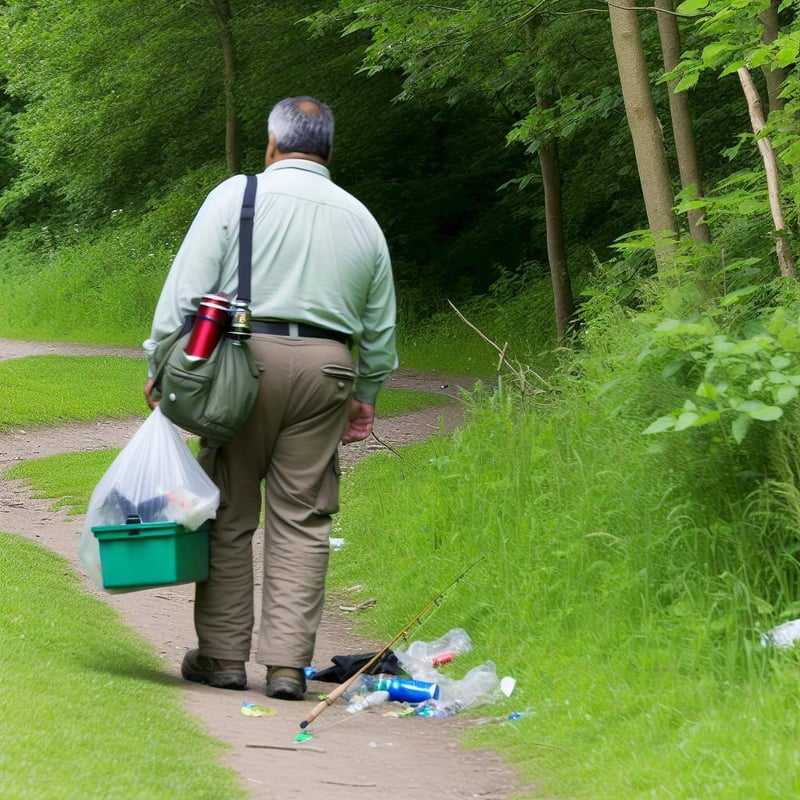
x: 367, y: 701
x: 480, y: 685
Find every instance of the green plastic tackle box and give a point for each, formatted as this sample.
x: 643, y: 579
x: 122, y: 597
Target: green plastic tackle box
x: 145, y: 554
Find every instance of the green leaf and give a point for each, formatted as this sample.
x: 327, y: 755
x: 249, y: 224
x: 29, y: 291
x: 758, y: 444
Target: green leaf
x: 713, y: 52
x: 737, y: 296
x: 766, y: 413
x: 780, y: 362
x: 785, y: 394
x: 688, y: 81
x: 691, y: 8
x: 660, y: 425
x: 687, y: 419
x: 739, y: 427
x: 789, y: 339
x: 673, y: 367
x: 708, y: 390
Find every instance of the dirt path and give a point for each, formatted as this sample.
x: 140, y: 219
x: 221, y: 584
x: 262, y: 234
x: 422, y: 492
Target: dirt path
x: 350, y: 756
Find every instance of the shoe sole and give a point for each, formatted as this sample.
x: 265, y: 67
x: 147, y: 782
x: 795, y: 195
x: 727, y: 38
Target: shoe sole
x: 286, y: 689
x: 219, y: 679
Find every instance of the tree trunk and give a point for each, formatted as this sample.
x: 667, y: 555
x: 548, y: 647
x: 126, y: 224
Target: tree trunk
x: 563, y: 301
x: 785, y: 257
x: 556, y: 250
x: 223, y: 14
x: 774, y: 77
x: 648, y: 144
x: 681, y: 114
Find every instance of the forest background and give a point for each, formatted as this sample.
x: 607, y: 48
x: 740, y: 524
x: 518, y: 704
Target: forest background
x: 609, y: 194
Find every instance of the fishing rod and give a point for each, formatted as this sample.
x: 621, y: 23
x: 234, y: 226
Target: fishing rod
x: 328, y: 699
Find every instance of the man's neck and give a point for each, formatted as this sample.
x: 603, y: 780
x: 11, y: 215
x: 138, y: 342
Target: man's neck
x: 304, y: 156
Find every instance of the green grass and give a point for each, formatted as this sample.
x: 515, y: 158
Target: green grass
x: 627, y: 610
x: 67, y: 479
x: 87, y: 710
x: 52, y: 390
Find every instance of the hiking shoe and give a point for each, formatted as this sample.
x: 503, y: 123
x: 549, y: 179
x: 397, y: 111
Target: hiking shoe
x: 221, y: 674
x: 285, y: 683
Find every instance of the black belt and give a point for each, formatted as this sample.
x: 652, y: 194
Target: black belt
x: 298, y: 329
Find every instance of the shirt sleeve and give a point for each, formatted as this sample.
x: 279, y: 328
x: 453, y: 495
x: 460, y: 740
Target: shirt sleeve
x: 197, y: 267
x: 377, y: 349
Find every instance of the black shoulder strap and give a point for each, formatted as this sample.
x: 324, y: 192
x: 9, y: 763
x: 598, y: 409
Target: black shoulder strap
x: 246, y: 238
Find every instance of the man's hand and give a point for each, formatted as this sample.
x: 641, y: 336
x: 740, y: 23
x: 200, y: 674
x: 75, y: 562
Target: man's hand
x: 148, y: 391
x: 359, y: 426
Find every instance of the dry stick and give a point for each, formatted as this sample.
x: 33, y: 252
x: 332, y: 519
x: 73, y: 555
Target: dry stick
x: 299, y: 749
x: 785, y: 256
x: 417, y: 619
x: 392, y: 450
x: 501, y: 351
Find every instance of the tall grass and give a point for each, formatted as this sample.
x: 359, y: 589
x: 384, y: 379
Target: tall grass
x: 623, y: 580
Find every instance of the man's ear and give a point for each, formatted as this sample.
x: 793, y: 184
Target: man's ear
x: 272, y: 149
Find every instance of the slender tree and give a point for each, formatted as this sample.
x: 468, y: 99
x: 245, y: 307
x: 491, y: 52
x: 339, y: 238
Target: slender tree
x: 681, y: 114
x: 773, y: 75
x: 648, y: 143
x: 786, y: 260
x: 221, y: 9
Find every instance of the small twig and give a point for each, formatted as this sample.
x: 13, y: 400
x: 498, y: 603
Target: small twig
x: 347, y: 783
x: 519, y: 374
x: 361, y: 606
x: 392, y: 450
x: 308, y: 747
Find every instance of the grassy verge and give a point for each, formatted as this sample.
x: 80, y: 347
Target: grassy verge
x: 86, y: 708
x: 622, y: 604
x: 51, y: 390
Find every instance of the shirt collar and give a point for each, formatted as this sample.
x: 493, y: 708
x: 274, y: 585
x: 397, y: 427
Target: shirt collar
x: 299, y: 163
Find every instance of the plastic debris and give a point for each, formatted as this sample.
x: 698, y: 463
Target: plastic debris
x: 784, y: 635
x: 309, y: 672
x: 367, y: 701
x: 336, y: 544
x: 255, y: 710
x: 303, y: 737
x: 421, y: 659
x: 507, y: 685
x: 515, y: 715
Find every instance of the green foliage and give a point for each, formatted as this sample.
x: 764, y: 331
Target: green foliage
x: 83, y: 164
x: 738, y: 378
x: 117, y: 96
x: 104, y: 708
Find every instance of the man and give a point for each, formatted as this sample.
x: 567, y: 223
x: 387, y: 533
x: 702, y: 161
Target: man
x: 321, y: 281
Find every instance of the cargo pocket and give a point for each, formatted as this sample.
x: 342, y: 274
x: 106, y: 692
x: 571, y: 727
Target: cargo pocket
x: 327, y: 501
x: 344, y: 374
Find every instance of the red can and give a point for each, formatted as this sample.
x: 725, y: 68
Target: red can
x: 209, y: 324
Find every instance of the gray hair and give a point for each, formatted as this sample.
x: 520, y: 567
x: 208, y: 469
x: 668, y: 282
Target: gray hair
x: 302, y: 125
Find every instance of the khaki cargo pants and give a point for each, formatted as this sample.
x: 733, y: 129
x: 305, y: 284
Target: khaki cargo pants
x: 290, y: 441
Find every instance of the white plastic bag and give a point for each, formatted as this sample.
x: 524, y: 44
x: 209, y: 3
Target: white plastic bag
x: 155, y: 478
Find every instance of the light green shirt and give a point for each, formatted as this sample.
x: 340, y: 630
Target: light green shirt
x: 319, y: 257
